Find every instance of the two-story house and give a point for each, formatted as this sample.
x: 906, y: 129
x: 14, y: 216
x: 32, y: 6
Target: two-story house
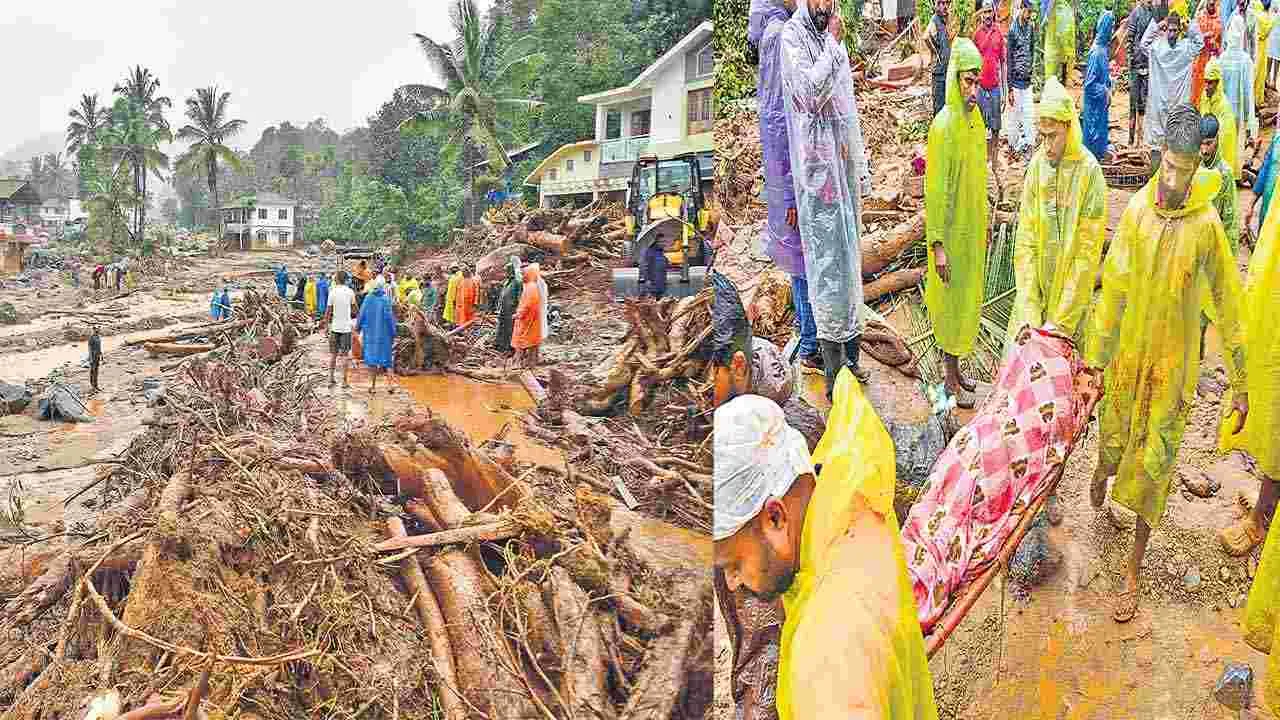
x: 262, y: 221
x: 665, y: 111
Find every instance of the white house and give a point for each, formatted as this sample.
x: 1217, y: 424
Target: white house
x: 261, y: 221
x: 57, y: 212
x: 667, y: 110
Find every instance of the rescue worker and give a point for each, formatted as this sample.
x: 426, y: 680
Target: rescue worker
x: 830, y: 171
x: 282, y: 281
x: 828, y: 545
x: 507, y: 305
x: 1211, y: 29
x: 1059, y: 40
x: 95, y: 358
x: 1171, y: 59
x: 377, y: 327
x: 1169, y: 244
x: 956, y: 219
x: 1215, y: 103
x: 1096, y: 123
x: 527, y: 334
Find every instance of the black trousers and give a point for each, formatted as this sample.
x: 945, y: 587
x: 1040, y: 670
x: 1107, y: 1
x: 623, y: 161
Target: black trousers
x: 93, y: 373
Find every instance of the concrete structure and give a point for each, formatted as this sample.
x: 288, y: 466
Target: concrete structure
x: 55, y: 213
x: 18, y: 201
x: 666, y: 110
x: 261, y: 221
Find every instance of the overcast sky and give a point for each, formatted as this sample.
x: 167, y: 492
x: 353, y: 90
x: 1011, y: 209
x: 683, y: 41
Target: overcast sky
x: 281, y: 59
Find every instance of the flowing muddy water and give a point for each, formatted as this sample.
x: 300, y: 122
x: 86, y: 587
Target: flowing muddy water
x: 19, y: 367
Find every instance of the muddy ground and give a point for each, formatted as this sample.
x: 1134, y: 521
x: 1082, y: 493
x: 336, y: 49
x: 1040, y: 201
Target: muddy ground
x: 1052, y: 651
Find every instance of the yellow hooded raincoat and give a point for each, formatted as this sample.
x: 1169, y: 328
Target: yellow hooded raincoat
x: 1259, y: 439
x: 1262, y: 30
x: 955, y: 186
x: 451, y: 295
x: 1061, y: 223
x: 1220, y: 107
x: 850, y: 614
x: 1059, y: 38
x: 1145, y: 332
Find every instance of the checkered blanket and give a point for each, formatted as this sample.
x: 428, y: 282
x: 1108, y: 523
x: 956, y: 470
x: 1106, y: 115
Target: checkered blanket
x: 993, y: 469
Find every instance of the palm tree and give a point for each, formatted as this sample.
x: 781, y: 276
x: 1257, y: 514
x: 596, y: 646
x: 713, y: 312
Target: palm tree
x: 210, y: 129
x: 55, y: 170
x: 142, y: 89
x: 131, y: 139
x: 87, y: 121
x: 469, y: 102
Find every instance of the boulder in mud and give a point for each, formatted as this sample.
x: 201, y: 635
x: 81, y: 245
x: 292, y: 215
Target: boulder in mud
x: 13, y: 398
x: 8, y: 315
x: 1198, y: 482
x: 63, y: 404
x: 1234, y: 688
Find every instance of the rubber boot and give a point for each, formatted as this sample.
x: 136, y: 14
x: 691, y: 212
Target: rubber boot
x: 832, y: 355
x: 852, y: 350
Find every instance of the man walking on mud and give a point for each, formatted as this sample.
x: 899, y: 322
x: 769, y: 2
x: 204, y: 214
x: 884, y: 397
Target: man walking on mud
x: 1170, y: 247
x: 340, y: 320
x: 95, y: 358
x: 939, y: 42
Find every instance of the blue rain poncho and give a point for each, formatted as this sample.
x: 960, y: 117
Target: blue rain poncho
x: 781, y: 241
x: 282, y: 281
x: 377, y: 328
x: 1096, y: 120
x: 1265, y: 184
x: 1170, y: 80
x: 322, y: 295
x: 830, y: 171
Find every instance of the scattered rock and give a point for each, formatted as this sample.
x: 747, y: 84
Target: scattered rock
x: 1212, y: 383
x: 1234, y: 688
x: 1224, y: 573
x: 1191, y: 580
x: 1233, y: 603
x: 1198, y: 482
x: 1232, y: 471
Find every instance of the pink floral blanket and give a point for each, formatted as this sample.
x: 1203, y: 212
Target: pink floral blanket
x: 994, y: 468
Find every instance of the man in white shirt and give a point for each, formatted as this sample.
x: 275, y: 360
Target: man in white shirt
x: 338, y: 316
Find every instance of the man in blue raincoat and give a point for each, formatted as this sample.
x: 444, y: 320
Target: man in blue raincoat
x: 377, y: 327
x: 1096, y: 119
x: 282, y: 281
x: 322, y: 294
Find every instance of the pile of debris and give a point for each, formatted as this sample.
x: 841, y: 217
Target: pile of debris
x: 262, y: 322
x: 252, y: 560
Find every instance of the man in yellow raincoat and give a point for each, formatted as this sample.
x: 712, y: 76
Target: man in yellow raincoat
x: 1215, y: 103
x: 406, y: 285
x: 1260, y: 437
x: 1061, y: 223
x: 1262, y: 22
x: 309, y: 296
x: 829, y: 546
x: 955, y: 187
x: 451, y: 294
x: 1059, y: 40
x: 1145, y: 332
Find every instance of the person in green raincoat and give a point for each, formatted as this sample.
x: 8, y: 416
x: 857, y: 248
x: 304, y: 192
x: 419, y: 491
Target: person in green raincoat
x: 821, y: 534
x: 1226, y: 202
x: 507, y: 304
x: 955, y: 188
x: 1145, y: 332
x: 1215, y: 103
x: 1259, y: 439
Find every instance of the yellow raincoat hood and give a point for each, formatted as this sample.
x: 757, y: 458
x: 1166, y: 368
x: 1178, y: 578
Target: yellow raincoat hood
x: 850, y: 613
x: 955, y: 184
x: 1220, y: 107
x: 1061, y: 223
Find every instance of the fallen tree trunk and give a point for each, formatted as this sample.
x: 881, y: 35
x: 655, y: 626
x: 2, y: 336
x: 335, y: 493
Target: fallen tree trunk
x: 190, y: 333
x: 160, y: 348
x: 550, y: 242
x: 501, y: 530
x: 880, y: 250
x: 891, y: 283
x: 433, y: 623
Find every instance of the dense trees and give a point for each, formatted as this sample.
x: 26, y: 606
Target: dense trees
x: 208, y: 132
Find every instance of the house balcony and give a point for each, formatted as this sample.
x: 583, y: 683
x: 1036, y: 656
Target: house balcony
x: 623, y: 149
x: 234, y: 227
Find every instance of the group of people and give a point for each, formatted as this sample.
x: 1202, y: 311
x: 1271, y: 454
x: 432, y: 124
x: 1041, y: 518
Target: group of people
x: 1136, y: 305
x: 115, y: 274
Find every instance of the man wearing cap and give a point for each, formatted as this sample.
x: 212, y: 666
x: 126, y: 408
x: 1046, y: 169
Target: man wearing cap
x: 991, y: 81
x: 821, y: 535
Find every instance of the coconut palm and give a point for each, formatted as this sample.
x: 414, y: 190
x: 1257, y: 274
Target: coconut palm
x: 132, y: 139
x: 87, y: 121
x: 55, y: 173
x: 143, y: 90
x: 209, y: 129
x: 471, y: 98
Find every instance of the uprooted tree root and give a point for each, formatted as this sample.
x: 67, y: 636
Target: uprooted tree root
x: 231, y: 555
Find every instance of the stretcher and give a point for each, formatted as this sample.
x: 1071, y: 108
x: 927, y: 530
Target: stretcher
x: 964, y: 599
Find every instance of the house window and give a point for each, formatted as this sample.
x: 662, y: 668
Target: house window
x: 612, y: 125
x: 586, y: 156
x: 284, y: 236
x: 700, y: 111
x: 262, y: 235
x: 568, y: 165
x: 284, y: 214
x: 262, y: 213
x: 551, y: 174
x: 640, y: 123
x: 705, y: 63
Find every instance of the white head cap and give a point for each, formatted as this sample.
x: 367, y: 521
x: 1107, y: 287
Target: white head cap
x: 757, y: 456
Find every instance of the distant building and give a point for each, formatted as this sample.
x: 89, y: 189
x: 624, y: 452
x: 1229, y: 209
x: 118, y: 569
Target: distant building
x: 19, y: 201
x: 55, y: 213
x: 667, y: 110
x: 262, y: 221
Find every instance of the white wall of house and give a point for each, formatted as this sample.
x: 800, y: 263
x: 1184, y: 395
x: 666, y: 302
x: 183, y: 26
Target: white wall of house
x: 276, y: 229
x: 668, y: 113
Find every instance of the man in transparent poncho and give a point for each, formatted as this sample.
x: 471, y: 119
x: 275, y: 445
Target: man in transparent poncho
x: 1172, y: 58
x: 830, y: 172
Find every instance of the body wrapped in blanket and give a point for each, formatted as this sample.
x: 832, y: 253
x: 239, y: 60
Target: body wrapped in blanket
x: 995, y: 468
